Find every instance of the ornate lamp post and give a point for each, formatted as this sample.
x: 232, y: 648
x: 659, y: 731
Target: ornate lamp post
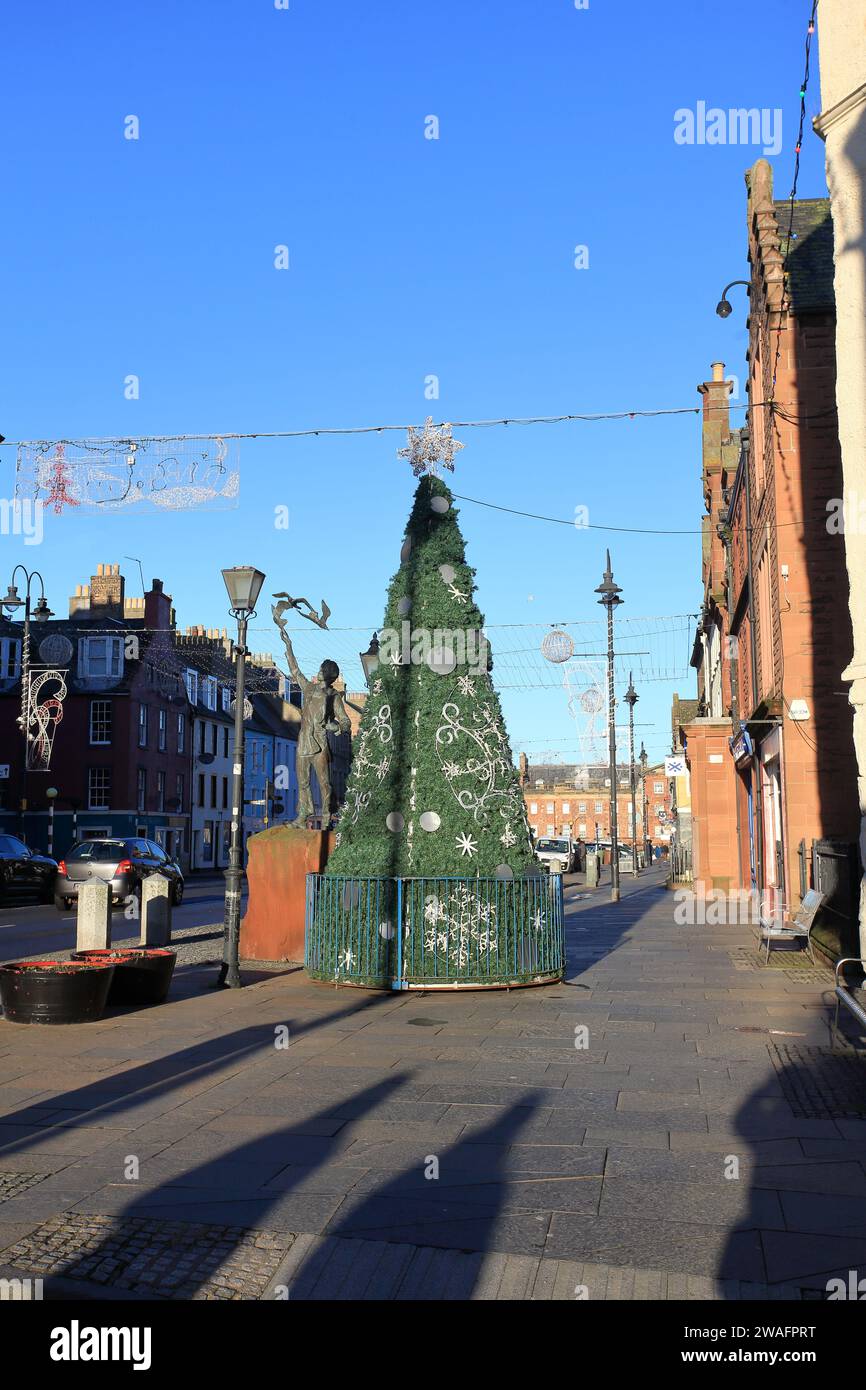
x: 646, y: 838
x: 244, y: 584
x: 610, y: 599
x: 631, y: 699
x: 41, y: 613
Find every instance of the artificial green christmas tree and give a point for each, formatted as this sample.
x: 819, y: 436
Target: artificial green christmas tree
x: 434, y: 862
x: 433, y: 789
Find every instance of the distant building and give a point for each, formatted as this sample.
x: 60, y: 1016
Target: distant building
x: 567, y: 799
x: 121, y: 760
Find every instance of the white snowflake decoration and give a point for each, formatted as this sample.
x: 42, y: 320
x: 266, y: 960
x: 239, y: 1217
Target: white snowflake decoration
x: 457, y: 593
x: 461, y: 928
x: 428, y: 448
x: 466, y: 845
x: 466, y: 686
x: 508, y: 837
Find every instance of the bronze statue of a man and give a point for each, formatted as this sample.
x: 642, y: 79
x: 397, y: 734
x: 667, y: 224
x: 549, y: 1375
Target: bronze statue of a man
x: 323, y: 713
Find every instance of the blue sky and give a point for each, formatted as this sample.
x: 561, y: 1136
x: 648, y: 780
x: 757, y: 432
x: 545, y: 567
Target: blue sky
x: 408, y: 257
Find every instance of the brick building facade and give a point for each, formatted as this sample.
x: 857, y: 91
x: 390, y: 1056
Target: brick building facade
x: 567, y: 800
x: 771, y: 753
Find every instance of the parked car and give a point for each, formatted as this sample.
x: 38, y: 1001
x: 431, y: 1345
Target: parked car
x: 124, y: 864
x: 22, y: 870
x: 555, y: 851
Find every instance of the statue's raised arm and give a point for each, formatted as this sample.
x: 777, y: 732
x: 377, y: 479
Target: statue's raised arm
x: 294, y: 669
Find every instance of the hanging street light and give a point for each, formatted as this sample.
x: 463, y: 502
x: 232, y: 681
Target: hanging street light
x: 244, y: 584
x: 12, y: 601
x: 370, y: 659
x: 610, y: 600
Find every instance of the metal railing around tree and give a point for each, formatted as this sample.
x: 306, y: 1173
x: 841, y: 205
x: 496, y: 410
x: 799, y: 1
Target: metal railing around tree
x: 437, y: 932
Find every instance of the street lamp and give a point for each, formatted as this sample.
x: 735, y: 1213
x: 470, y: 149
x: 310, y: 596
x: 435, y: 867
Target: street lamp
x: 12, y: 602
x: 52, y: 795
x: 244, y: 584
x: 370, y: 659
x: 723, y: 308
x: 631, y: 699
x: 610, y: 600
x: 646, y: 838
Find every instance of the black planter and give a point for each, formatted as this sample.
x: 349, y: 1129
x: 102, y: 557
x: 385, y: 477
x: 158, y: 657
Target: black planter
x: 54, y: 991
x: 141, y: 975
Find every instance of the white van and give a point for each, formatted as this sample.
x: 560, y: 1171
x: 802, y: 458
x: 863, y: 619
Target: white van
x: 557, y: 851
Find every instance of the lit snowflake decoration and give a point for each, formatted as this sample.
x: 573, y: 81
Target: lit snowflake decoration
x: 428, y: 448
x: 466, y: 687
x: 466, y: 845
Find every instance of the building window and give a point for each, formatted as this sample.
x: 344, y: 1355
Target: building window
x: 141, y: 790
x: 191, y: 682
x: 99, y: 788
x: 226, y: 741
x: 100, y: 721
x: 566, y: 808
x: 581, y: 806
x: 181, y: 732
x: 658, y: 788
x: 201, y: 789
x: 533, y: 808
x: 142, y: 726
x: 100, y: 656
x: 209, y: 692
x: 180, y: 790
x: 10, y: 658
x: 550, y: 808
x: 162, y: 730
x: 214, y: 735
x: 213, y: 792
x: 227, y: 700
x: 225, y: 793
x: 581, y: 829
x: 551, y: 830
x: 598, y: 808
x: 160, y: 792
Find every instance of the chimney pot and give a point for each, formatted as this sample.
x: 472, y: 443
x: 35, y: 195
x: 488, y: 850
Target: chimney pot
x: 718, y: 371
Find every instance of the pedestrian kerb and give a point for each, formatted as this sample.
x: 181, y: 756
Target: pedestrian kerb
x: 93, y: 925
x: 155, y: 911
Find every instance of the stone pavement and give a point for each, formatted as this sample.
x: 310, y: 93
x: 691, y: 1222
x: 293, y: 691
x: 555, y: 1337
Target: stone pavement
x: 704, y: 1143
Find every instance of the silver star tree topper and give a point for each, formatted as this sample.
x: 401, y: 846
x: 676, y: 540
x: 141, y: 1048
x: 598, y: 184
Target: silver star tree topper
x: 430, y: 447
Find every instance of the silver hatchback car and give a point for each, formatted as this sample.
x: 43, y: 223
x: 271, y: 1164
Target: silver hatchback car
x: 124, y: 864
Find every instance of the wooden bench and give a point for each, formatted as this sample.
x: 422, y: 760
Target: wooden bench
x: 844, y: 995
x: 797, y: 928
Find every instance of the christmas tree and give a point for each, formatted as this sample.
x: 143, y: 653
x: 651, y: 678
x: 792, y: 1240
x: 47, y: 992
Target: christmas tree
x: 433, y: 881
x: 433, y: 790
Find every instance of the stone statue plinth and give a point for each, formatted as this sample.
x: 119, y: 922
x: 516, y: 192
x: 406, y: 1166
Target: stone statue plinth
x: 279, y: 861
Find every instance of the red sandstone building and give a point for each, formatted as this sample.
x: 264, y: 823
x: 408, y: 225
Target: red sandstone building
x: 770, y: 755
x: 563, y: 799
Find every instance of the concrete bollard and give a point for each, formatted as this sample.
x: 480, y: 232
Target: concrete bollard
x: 155, y: 911
x: 93, y: 924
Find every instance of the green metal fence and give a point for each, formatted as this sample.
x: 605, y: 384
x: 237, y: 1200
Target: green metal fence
x: 446, y: 933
